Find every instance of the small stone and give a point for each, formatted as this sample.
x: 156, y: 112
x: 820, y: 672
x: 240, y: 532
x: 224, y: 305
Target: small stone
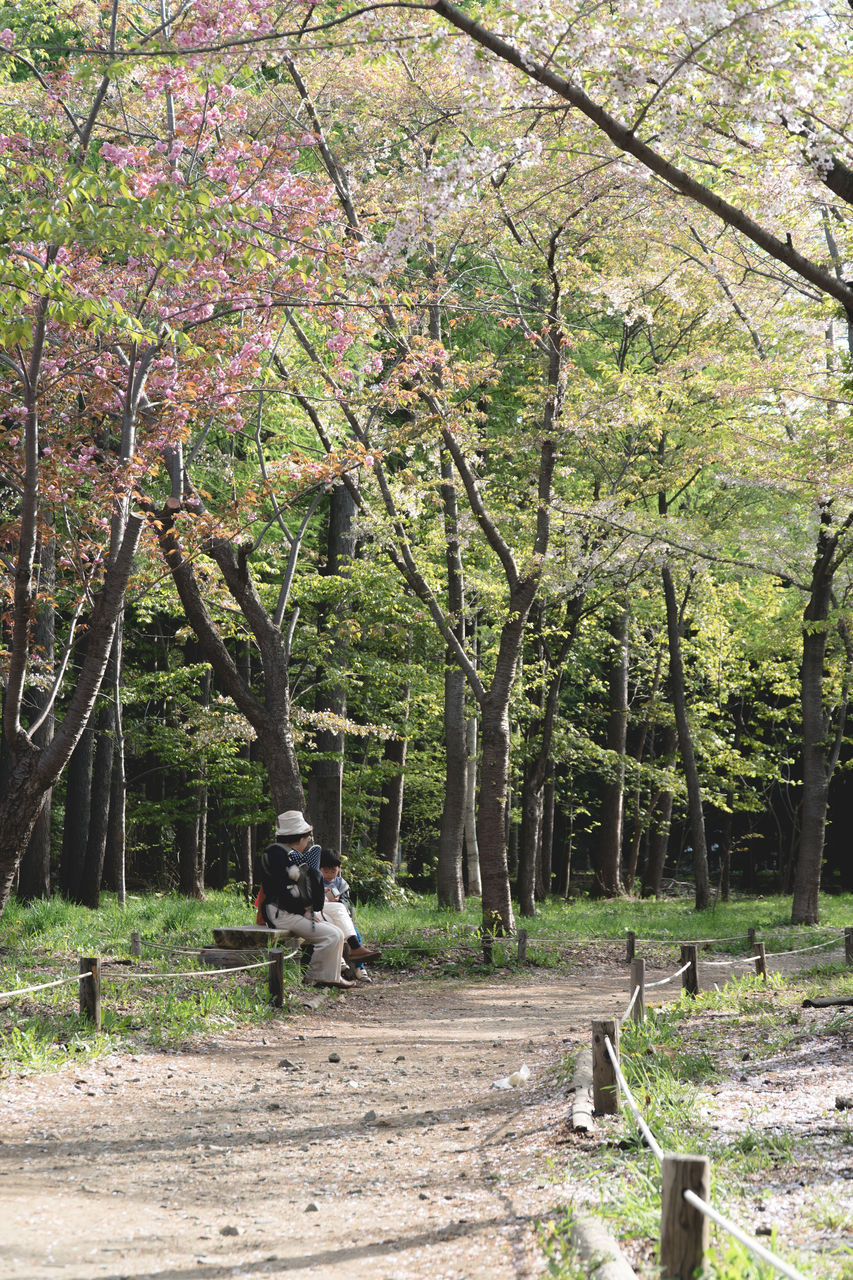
x: 401, y: 1057
x: 843, y: 1103
x: 230, y: 1231
x: 763, y: 1230
x: 369, y: 1116
x: 334, y: 1057
x: 423, y: 1195
x: 312, y: 1207
x: 287, y: 1064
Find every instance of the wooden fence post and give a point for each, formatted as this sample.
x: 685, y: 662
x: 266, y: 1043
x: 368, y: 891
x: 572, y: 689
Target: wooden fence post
x: 683, y: 1228
x: 605, y: 1084
x: 638, y: 984
x: 690, y: 977
x: 276, y: 977
x: 136, y: 944
x: 522, y: 946
x: 630, y: 945
x: 90, y: 990
x: 761, y: 961
x: 848, y: 946
x: 750, y: 940
x: 488, y: 944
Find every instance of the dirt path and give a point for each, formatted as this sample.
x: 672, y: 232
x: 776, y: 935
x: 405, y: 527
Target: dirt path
x: 361, y: 1138
x: 397, y: 1161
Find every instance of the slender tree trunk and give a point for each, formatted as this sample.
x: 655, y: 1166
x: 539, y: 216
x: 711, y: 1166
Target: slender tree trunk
x: 546, y: 844
x: 449, y: 871
x: 449, y: 880
x: 531, y: 834
x: 102, y: 773
x: 34, y: 875
x: 685, y: 744
x: 326, y: 776
x: 391, y: 806
x: 116, y: 859
x: 78, y: 807
x: 497, y: 909
x: 805, y: 909
x: 472, y: 856
x: 609, y: 873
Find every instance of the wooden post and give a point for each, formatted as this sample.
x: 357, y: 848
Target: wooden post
x: 638, y: 980
x: 605, y: 1084
x: 761, y: 961
x: 276, y: 977
x: 136, y: 944
x: 690, y: 977
x: 522, y: 946
x: 683, y: 1228
x: 750, y: 941
x: 488, y: 943
x: 848, y: 946
x: 90, y: 990
x: 630, y: 945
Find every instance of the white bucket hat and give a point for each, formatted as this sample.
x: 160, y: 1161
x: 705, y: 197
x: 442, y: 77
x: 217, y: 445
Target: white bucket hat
x: 292, y: 823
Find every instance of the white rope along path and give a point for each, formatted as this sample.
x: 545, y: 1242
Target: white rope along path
x: 42, y: 986
x: 758, y: 1249
x: 661, y: 982
x: 650, y: 1138
x: 654, y: 1146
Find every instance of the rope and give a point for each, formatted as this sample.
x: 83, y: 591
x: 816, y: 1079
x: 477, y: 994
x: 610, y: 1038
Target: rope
x: 651, y: 1140
x: 758, y: 1249
x: 42, y: 986
x: 631, y: 1003
x: 663, y: 981
x: 736, y: 960
x: 818, y: 946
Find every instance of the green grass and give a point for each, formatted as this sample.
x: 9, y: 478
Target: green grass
x: 43, y: 940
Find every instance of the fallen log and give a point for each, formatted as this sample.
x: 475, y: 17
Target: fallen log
x: 582, y: 1121
x: 827, y: 1003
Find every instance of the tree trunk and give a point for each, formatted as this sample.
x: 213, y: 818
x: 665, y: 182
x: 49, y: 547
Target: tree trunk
x: 449, y: 871
x: 78, y: 807
x: 269, y: 714
x: 34, y: 770
x: 472, y: 856
x: 609, y: 872
x: 531, y: 834
x: 34, y: 875
x: 325, y: 781
x: 497, y: 910
x: 815, y: 721
x: 102, y: 774
x: 391, y: 806
x: 546, y: 843
x: 685, y: 743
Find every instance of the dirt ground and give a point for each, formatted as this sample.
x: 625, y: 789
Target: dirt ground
x: 362, y: 1137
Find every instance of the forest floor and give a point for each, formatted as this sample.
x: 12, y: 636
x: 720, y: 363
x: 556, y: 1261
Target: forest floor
x: 361, y: 1137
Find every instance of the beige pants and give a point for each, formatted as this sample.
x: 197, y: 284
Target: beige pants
x: 337, y: 914
x: 327, y: 940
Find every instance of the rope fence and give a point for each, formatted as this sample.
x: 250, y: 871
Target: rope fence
x: 683, y: 1241
x: 42, y: 986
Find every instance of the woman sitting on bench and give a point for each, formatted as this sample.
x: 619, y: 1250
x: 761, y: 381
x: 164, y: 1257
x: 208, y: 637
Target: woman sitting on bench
x: 294, y: 896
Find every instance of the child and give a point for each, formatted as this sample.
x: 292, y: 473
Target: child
x: 338, y: 912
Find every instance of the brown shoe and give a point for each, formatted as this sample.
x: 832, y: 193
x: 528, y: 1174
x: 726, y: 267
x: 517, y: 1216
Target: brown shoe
x: 341, y: 982
x: 362, y: 954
